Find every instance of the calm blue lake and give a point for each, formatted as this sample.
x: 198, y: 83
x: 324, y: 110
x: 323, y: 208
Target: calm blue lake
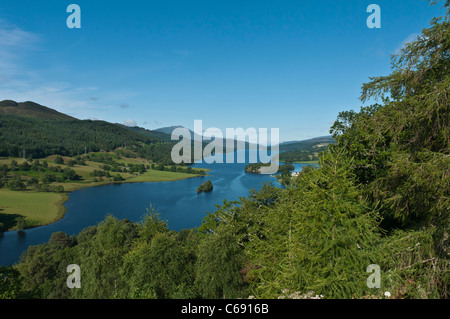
x: 177, y: 202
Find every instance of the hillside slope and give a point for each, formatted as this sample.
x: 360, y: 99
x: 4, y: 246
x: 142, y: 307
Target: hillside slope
x: 31, y: 109
x: 42, y: 131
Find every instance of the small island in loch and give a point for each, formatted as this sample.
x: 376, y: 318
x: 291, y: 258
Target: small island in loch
x: 205, y: 187
x: 256, y: 168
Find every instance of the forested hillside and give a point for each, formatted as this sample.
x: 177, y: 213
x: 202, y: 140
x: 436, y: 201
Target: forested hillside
x: 380, y: 196
x: 41, y: 131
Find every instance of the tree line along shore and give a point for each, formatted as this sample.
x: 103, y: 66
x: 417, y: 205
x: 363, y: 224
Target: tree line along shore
x: 35, y: 189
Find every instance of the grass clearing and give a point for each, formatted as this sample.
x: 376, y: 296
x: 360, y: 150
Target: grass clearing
x: 38, y: 208
x: 160, y: 176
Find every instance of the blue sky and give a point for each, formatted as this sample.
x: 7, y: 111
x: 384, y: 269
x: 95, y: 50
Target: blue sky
x: 292, y: 65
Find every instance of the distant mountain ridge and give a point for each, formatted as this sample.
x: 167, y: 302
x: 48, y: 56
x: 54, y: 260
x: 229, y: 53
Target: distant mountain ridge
x: 169, y: 129
x: 307, y: 144
x: 43, y: 131
x: 205, y: 139
x: 307, y: 150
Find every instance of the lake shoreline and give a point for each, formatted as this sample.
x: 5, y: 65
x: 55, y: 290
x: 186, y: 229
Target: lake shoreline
x: 61, y: 209
x: 177, y: 202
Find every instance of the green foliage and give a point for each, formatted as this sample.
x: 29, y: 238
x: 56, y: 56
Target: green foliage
x: 318, y: 238
x: 118, y: 178
x: 255, y: 167
x: 217, y: 270
x: 38, y: 176
x: 151, y: 225
x: 286, y: 167
x: 401, y: 147
x: 157, y: 268
x: 11, y: 284
x: 71, y: 163
x: 104, y: 256
x: 59, y: 160
x: 15, y: 184
x: 21, y: 223
x: 39, y: 270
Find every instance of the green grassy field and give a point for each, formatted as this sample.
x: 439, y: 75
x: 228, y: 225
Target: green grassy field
x: 149, y: 176
x: 159, y: 176
x: 41, y: 208
x: 38, y: 208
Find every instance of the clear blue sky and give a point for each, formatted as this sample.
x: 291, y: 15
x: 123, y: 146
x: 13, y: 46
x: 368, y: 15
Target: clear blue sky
x: 293, y: 65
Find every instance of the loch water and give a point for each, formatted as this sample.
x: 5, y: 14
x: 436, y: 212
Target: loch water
x: 177, y: 202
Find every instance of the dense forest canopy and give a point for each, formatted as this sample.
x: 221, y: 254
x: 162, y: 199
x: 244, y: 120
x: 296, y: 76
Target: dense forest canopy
x: 380, y: 196
x: 43, y: 137
x: 39, y: 131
